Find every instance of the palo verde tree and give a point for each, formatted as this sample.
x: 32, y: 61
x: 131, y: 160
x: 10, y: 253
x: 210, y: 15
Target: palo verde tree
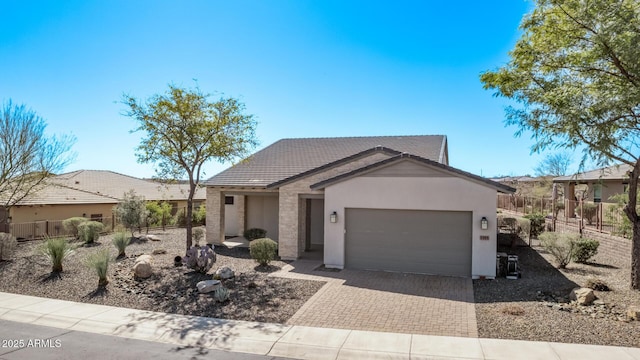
x: 575, y: 73
x: 27, y: 155
x: 184, y: 130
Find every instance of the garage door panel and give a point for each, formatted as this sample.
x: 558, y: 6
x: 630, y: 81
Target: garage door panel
x: 432, y: 242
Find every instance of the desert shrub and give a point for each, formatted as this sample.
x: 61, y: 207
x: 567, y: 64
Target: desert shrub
x: 221, y: 294
x: 153, y: 216
x: 70, y: 225
x: 597, y: 284
x: 198, y: 234
x: 199, y: 217
x: 515, y: 310
x: 588, y: 212
x: 523, y: 228
x: 254, y: 233
x: 121, y: 240
x: 89, y: 231
x: 537, y: 224
x: 56, y: 250
x: 616, y: 216
x: 99, y: 262
x: 263, y: 250
x: 8, y: 244
x: 560, y: 246
x: 200, y: 259
x: 585, y: 249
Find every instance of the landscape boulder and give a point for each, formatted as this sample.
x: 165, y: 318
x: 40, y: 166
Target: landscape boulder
x: 224, y: 273
x: 159, y: 251
x: 207, y: 286
x: 583, y: 296
x: 149, y: 237
x: 633, y: 313
x: 142, y: 267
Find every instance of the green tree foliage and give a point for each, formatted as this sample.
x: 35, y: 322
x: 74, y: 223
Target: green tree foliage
x: 131, y: 211
x: 154, y: 214
x: 183, y: 130
x: 27, y: 156
x: 576, y: 75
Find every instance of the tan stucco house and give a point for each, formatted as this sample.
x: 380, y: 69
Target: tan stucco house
x: 381, y: 203
x: 91, y: 194
x: 600, y: 184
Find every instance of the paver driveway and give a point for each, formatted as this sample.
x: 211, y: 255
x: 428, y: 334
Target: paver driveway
x: 385, y: 301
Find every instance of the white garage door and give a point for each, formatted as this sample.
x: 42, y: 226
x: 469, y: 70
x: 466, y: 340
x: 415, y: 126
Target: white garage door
x: 417, y: 241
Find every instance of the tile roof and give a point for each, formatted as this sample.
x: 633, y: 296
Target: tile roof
x: 289, y: 157
x: 401, y: 157
x: 615, y: 172
x: 102, y: 186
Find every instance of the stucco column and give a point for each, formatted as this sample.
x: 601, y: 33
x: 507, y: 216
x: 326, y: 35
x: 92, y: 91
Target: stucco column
x: 240, y: 201
x: 302, y: 225
x: 288, y: 225
x: 215, y: 216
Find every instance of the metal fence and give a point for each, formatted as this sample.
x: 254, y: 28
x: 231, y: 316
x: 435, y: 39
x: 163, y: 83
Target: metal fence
x: 49, y: 228
x: 606, y: 218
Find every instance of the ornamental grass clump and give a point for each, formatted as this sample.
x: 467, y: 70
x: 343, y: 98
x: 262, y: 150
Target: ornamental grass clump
x: 121, y: 240
x: 560, y: 246
x: 99, y: 261
x: 56, y: 250
x: 263, y: 250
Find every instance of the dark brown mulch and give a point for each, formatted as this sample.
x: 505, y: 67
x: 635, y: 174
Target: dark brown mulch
x: 254, y: 295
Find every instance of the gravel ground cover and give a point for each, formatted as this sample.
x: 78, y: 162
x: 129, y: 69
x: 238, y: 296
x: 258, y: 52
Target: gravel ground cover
x: 255, y: 296
x: 536, y: 306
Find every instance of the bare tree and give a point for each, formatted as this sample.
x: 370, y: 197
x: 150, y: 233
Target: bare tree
x: 554, y: 165
x: 27, y: 156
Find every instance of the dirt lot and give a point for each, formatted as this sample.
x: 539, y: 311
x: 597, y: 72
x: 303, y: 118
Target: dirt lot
x: 254, y: 295
x: 535, y: 307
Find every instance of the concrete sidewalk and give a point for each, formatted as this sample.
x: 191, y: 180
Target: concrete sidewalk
x: 299, y: 342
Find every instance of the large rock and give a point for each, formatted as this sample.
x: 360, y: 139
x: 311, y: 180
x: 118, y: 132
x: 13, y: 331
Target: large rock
x: 224, y: 273
x: 142, y: 268
x: 633, y: 313
x: 207, y: 286
x: 150, y: 237
x: 583, y: 296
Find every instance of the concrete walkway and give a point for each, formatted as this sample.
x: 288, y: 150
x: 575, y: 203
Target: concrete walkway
x: 385, y: 301
x: 298, y: 342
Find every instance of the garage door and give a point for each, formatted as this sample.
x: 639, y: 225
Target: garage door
x: 426, y: 242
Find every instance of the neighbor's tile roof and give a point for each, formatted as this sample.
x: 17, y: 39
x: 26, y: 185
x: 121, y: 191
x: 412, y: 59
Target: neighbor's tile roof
x: 289, y: 157
x: 102, y: 186
x: 55, y: 195
x: 615, y: 172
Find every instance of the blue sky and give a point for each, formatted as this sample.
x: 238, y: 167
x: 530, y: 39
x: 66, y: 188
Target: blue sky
x: 303, y: 68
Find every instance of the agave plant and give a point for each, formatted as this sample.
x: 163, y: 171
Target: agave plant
x: 56, y: 250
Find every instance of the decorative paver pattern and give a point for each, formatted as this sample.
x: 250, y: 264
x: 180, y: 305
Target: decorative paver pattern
x: 386, y: 301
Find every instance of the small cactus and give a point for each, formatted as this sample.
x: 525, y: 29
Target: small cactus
x: 221, y: 294
x: 200, y: 259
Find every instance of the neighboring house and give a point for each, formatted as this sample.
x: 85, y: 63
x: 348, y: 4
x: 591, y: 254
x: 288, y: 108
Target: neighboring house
x: 92, y: 194
x: 597, y: 185
x: 383, y: 203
